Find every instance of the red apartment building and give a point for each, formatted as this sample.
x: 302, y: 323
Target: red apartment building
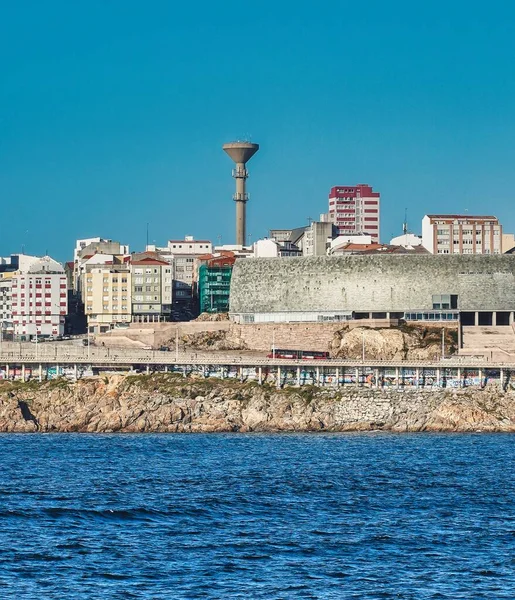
x: 355, y: 210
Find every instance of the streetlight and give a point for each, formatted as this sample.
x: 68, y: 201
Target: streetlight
x: 443, y: 343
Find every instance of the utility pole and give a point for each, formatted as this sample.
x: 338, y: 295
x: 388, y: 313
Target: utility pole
x: 177, y: 344
x: 273, y: 344
x: 363, y: 346
x: 443, y: 343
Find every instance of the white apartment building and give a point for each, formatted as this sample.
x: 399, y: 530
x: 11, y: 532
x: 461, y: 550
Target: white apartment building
x: 39, y: 298
x: 462, y: 234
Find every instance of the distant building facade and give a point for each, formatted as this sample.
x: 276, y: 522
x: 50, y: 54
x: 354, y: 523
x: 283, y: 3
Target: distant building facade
x: 39, y: 298
x: 106, y: 291
x: 462, y: 234
x: 214, y: 282
x: 182, y: 255
x: 355, y: 210
x: 151, y: 288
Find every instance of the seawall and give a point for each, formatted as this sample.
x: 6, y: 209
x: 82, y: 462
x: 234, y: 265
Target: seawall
x: 168, y: 403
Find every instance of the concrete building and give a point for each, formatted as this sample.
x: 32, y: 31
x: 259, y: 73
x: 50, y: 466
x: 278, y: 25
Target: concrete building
x: 151, y: 288
x: 408, y: 240
x: 106, y: 291
x: 39, y: 298
x: 344, y: 240
x: 462, y: 234
x: 273, y: 249
x: 355, y: 210
x: 312, y: 240
x: 317, y: 238
x: 420, y: 287
x: 508, y: 242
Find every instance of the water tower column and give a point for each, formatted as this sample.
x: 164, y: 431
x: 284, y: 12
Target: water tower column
x: 240, y: 173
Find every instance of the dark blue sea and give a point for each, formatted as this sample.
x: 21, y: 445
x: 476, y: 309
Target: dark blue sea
x: 257, y: 516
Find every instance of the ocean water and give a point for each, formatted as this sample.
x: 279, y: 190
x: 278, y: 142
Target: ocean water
x: 257, y: 516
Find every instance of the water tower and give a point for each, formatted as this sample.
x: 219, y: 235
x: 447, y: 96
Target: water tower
x: 241, y: 153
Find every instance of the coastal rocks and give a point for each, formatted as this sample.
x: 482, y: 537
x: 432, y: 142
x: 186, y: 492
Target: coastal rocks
x: 167, y: 403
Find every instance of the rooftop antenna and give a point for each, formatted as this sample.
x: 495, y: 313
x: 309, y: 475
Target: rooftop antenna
x: 405, y: 224
x: 310, y: 220
x: 146, y: 247
x: 241, y: 153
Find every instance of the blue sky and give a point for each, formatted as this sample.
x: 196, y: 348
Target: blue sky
x: 113, y: 114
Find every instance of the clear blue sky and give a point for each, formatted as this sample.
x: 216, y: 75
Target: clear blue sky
x: 113, y: 113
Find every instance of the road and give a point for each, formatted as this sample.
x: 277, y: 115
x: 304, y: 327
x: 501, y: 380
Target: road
x: 72, y: 353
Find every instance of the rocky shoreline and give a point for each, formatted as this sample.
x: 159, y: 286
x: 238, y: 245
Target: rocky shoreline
x: 169, y: 403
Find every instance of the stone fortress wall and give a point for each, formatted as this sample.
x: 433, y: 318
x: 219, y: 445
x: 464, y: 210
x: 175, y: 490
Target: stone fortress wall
x: 374, y: 283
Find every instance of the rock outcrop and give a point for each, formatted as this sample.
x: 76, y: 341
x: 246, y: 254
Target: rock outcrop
x: 168, y: 403
x: 407, y: 342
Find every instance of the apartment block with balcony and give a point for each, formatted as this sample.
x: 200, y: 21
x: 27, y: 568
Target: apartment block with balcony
x: 39, y: 298
x: 106, y: 292
x: 151, y: 288
x: 462, y: 234
x: 354, y: 210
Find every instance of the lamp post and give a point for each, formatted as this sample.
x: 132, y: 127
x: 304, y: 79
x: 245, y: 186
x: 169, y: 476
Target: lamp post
x: 443, y: 343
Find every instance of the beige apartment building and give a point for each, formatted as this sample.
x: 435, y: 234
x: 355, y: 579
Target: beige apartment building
x: 462, y: 234
x: 106, y: 292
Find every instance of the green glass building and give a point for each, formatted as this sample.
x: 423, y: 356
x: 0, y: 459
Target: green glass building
x: 213, y: 288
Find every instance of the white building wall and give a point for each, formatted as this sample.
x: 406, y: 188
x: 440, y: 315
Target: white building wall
x: 427, y: 234
x: 266, y: 249
x: 406, y: 240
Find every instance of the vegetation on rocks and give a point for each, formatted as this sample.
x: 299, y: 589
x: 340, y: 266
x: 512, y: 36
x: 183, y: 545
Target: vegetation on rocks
x: 171, y: 403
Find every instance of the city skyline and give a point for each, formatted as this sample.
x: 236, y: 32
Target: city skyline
x: 111, y: 119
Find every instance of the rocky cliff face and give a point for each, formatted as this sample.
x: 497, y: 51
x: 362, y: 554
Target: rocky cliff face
x: 396, y: 343
x: 167, y: 403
